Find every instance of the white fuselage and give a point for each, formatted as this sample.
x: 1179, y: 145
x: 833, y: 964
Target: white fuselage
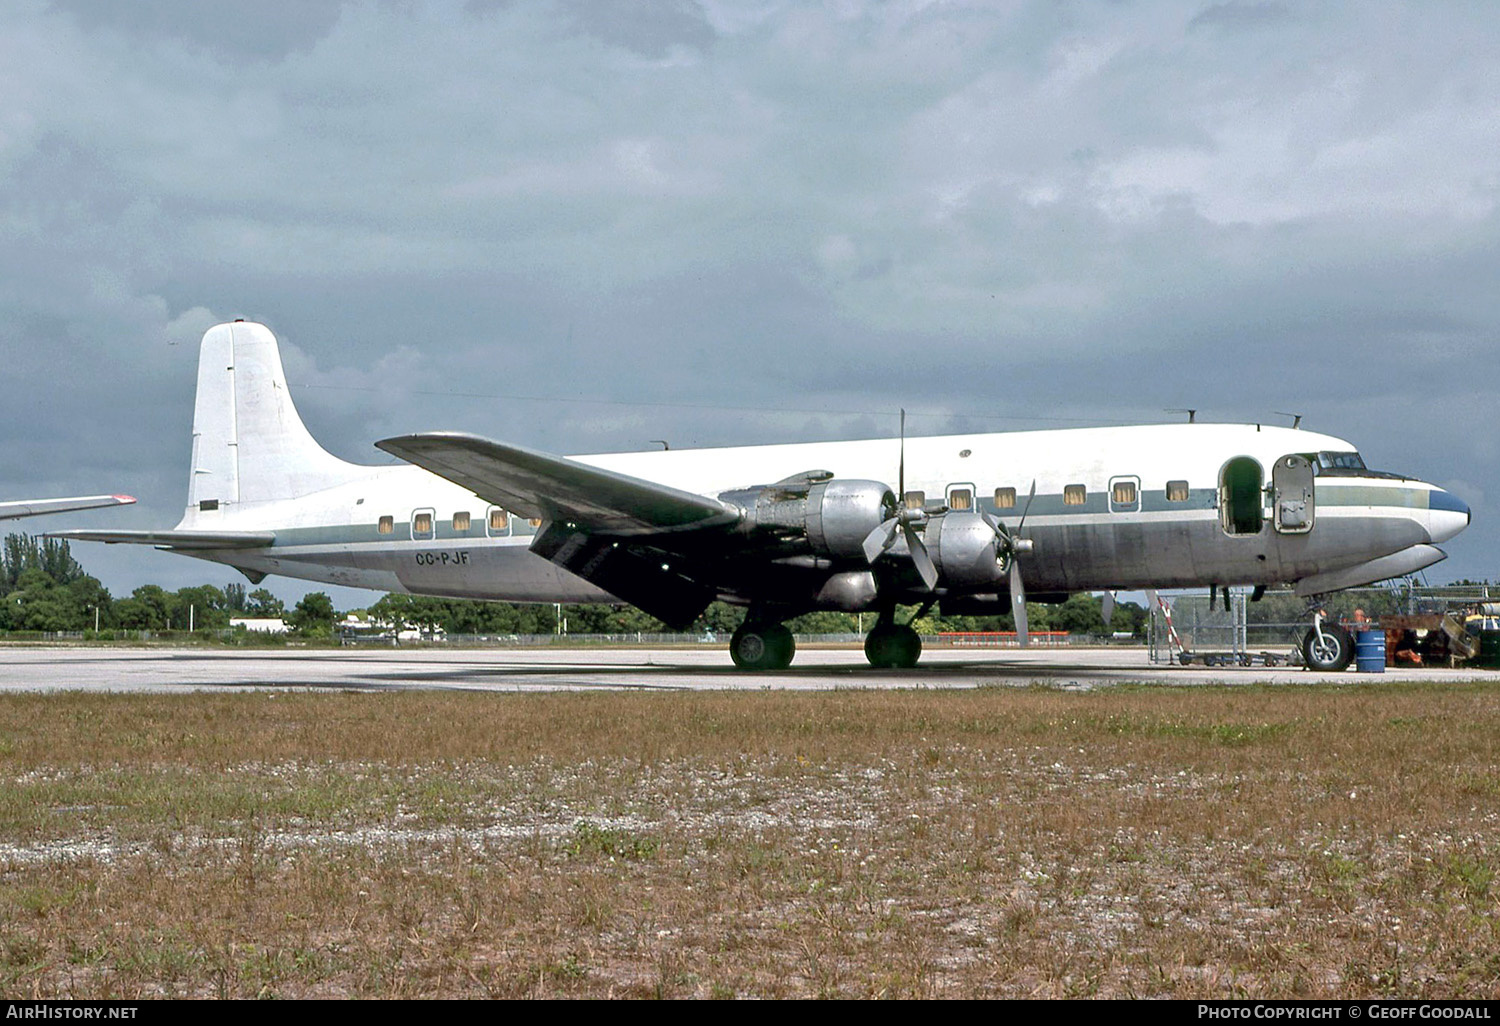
x: 1123, y: 507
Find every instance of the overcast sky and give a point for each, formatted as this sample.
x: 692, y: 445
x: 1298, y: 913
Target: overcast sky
x: 583, y: 225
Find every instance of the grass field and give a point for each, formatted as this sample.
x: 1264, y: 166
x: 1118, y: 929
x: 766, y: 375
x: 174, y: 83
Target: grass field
x: 1188, y: 842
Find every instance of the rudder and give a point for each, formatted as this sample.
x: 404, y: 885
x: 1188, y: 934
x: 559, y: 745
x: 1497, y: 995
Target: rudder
x: 249, y: 444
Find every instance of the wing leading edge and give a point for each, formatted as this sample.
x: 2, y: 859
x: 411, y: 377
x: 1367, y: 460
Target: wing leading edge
x: 555, y: 488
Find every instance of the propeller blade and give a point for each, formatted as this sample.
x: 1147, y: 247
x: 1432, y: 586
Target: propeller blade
x: 880, y: 539
x: 1026, y: 508
x: 1108, y: 608
x: 1018, y: 604
x: 901, y: 467
x: 920, y: 558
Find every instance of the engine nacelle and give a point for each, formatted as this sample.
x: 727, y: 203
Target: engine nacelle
x: 833, y: 516
x: 841, y: 514
x: 966, y: 551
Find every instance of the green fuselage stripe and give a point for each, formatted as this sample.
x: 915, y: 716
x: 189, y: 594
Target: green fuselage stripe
x: 1043, y: 506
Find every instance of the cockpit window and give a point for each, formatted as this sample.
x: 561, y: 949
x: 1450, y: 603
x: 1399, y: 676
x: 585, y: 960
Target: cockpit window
x: 1340, y: 461
x: 1336, y: 462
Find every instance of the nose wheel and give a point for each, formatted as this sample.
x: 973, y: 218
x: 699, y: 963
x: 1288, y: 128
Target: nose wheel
x: 1327, y: 647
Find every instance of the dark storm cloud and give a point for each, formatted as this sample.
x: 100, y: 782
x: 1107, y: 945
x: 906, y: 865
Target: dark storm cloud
x: 586, y: 226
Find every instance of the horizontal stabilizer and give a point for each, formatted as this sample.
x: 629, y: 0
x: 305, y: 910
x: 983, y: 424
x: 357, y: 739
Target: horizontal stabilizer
x: 36, y: 507
x: 538, y: 484
x: 174, y: 539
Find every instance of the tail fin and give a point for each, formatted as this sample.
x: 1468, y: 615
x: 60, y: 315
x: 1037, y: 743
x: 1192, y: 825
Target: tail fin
x: 249, y: 444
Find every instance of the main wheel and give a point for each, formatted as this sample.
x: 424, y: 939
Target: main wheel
x: 1334, y: 650
x: 762, y: 647
x: 894, y: 647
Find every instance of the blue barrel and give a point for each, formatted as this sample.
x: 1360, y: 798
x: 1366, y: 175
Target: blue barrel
x: 1369, y: 651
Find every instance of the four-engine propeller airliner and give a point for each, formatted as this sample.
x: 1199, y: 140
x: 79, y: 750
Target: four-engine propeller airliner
x: 973, y: 522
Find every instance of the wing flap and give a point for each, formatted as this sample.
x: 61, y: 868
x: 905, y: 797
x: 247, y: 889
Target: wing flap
x: 539, y: 484
x: 174, y: 539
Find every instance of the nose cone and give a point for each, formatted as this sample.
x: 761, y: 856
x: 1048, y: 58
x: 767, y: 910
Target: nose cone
x: 1447, y: 515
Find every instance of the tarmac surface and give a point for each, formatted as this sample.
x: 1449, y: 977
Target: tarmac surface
x: 40, y: 668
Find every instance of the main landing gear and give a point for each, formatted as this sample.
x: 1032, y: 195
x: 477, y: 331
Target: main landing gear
x: 893, y: 646
x: 762, y: 646
x: 766, y: 645
x: 761, y: 643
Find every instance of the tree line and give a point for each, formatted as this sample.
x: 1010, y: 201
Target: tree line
x: 43, y: 588
x: 1080, y: 614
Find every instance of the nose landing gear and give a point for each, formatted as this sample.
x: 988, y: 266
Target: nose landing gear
x: 1327, y: 646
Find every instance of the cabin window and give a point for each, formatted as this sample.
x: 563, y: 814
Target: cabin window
x: 1075, y: 495
x: 421, y: 525
x: 1125, y: 495
x: 387, y: 525
x: 916, y: 500
x: 498, y: 521
x: 1177, y: 491
x: 961, y: 498
x: 1005, y: 498
x: 461, y: 521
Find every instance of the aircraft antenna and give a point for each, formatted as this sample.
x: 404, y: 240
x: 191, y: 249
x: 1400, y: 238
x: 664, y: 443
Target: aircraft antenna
x: 1192, y: 415
x: 1296, y: 418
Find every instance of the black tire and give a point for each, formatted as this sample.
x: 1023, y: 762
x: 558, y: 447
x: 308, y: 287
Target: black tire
x: 783, y: 645
x: 1333, y: 653
x: 762, y: 647
x: 896, y: 647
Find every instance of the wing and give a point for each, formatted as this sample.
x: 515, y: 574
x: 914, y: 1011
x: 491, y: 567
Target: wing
x: 174, y: 539
x: 555, y: 488
x: 648, y: 544
x: 36, y: 507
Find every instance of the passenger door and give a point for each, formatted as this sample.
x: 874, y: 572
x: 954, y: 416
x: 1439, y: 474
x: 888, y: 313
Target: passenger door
x: 1292, y: 495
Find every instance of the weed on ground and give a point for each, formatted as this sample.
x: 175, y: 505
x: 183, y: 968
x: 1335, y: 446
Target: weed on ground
x: 1208, y: 842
